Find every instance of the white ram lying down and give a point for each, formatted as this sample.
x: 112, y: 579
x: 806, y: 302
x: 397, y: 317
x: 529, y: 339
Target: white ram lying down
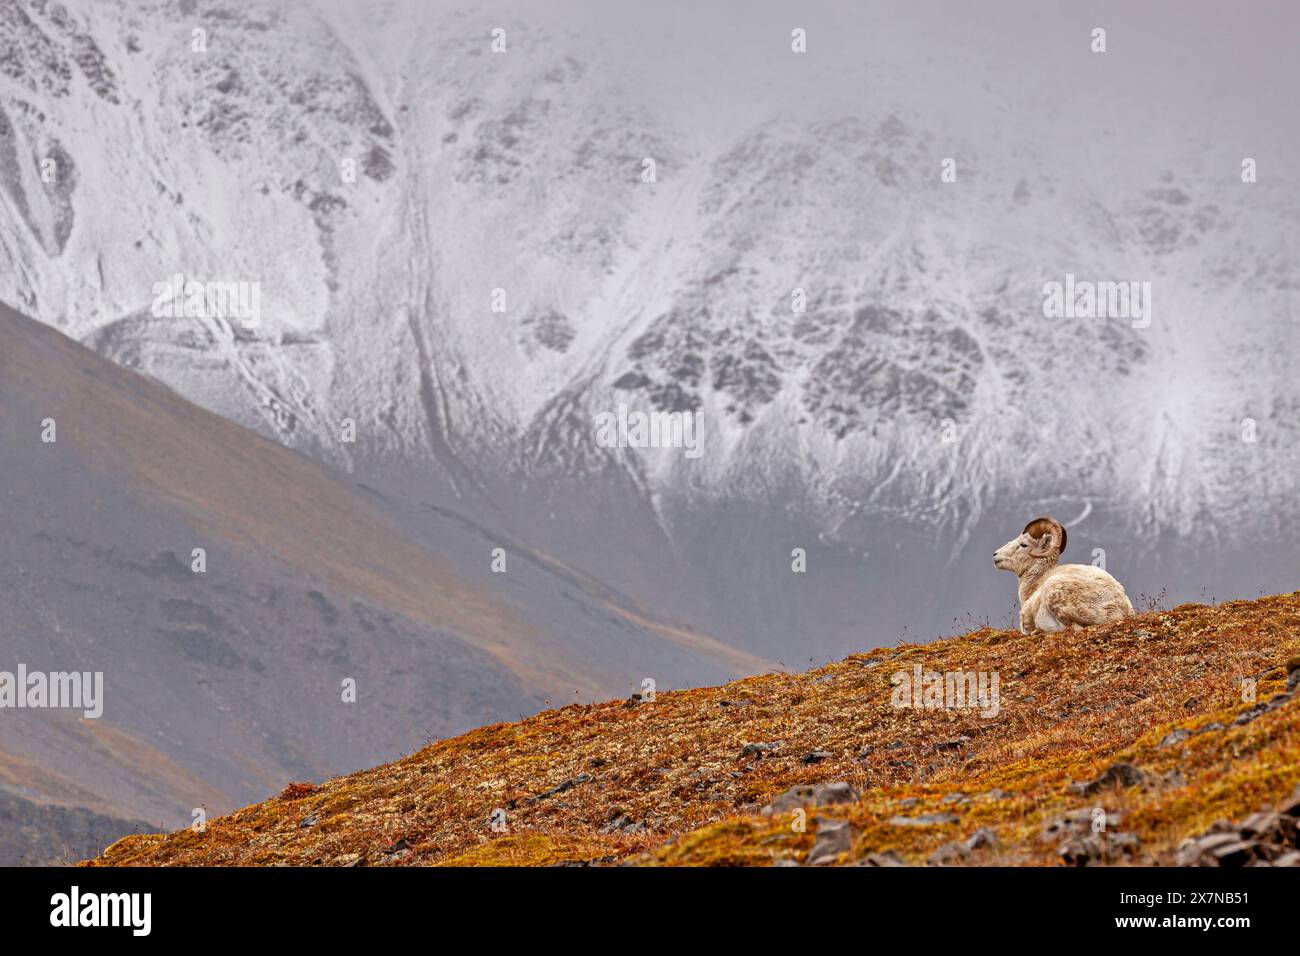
x: 1056, y: 596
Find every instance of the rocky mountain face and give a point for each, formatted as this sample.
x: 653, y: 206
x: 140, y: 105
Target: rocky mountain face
x: 387, y: 183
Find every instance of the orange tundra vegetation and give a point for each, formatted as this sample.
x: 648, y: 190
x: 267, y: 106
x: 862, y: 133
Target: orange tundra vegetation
x: 1141, y: 723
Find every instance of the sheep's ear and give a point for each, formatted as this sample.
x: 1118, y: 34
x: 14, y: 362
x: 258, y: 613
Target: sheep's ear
x: 1045, y: 546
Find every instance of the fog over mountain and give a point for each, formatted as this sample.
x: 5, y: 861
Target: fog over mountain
x: 384, y: 177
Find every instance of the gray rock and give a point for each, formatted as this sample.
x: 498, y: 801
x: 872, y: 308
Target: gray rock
x: 888, y: 858
x: 1264, y: 838
x: 398, y: 851
x: 1099, y: 848
x: 1197, y: 850
x: 981, y: 838
x: 1077, y: 823
x: 815, y: 795
x: 1291, y: 806
x: 1077, y: 852
x: 1264, y: 825
x: 828, y: 794
x: 759, y: 749
x: 1246, y: 716
x: 924, y: 820
x: 1188, y: 854
x: 949, y: 854
x: 1121, y: 844
x: 817, y: 756
x: 833, y: 838
x: 1116, y: 775
x: 622, y: 823
x: 1235, y: 853
x: 560, y: 788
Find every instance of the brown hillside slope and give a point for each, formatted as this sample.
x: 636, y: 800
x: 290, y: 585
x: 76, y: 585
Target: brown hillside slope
x: 1072, y: 705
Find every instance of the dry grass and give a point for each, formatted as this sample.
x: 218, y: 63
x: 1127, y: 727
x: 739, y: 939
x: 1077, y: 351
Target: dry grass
x: 1071, y: 705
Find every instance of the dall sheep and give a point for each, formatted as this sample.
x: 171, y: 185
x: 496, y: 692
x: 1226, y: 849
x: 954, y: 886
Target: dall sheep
x: 1056, y: 596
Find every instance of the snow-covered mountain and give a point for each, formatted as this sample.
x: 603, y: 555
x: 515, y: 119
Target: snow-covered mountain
x: 385, y: 176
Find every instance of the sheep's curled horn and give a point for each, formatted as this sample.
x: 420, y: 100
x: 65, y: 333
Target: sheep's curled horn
x: 1039, y: 526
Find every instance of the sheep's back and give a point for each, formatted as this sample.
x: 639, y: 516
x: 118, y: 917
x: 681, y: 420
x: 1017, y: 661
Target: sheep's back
x: 1080, y: 594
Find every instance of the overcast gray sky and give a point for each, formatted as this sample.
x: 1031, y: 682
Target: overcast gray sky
x: 1180, y: 78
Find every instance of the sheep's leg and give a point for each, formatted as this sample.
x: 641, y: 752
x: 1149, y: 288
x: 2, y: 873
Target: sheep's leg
x: 1073, y: 610
x: 1044, y: 620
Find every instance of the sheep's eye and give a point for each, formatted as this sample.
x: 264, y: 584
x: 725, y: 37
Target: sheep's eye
x: 1024, y: 544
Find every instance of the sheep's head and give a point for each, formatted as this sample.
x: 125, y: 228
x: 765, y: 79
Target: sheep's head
x: 1042, y: 539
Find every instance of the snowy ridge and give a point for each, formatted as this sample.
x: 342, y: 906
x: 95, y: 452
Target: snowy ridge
x: 521, y: 171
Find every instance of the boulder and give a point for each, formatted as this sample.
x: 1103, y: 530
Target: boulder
x: 834, y: 837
